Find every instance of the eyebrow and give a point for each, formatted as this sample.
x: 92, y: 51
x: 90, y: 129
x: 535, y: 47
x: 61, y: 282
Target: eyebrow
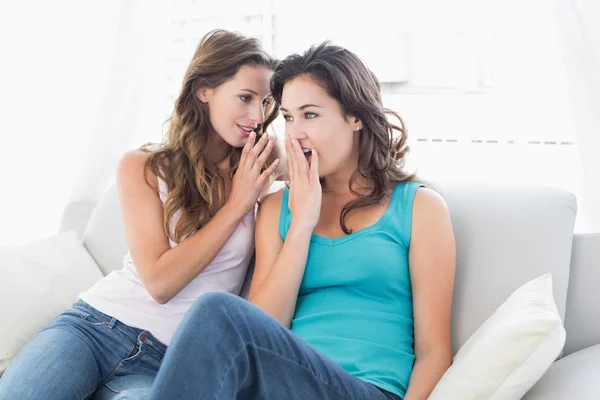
x: 251, y: 91
x: 301, y: 107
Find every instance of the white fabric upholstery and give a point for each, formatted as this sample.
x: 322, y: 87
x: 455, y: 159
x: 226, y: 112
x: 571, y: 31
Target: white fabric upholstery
x: 505, y: 237
x: 510, y: 351
x: 583, y: 301
x: 76, y: 217
x: 104, y: 236
x: 38, y: 281
x: 576, y: 377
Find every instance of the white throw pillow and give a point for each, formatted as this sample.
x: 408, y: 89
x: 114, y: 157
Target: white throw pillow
x: 38, y: 281
x: 511, y: 351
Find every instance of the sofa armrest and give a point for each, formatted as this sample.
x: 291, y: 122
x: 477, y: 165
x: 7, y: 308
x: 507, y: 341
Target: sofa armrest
x: 582, y: 317
x: 75, y: 217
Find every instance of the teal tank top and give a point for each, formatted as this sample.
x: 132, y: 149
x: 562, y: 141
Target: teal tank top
x: 355, y: 299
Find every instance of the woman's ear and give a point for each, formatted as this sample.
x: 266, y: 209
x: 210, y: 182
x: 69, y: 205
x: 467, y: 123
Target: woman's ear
x: 355, y: 123
x: 204, y: 94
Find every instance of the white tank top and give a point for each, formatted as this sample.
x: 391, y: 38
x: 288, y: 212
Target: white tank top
x: 122, y: 295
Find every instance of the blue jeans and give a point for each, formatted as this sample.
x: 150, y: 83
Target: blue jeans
x: 84, y: 354
x: 226, y: 348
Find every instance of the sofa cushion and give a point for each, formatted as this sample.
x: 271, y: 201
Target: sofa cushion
x: 510, y: 351
x: 576, y: 377
x: 38, y: 281
x: 505, y: 237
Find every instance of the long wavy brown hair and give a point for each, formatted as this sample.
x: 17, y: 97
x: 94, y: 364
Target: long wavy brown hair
x: 382, y: 144
x: 194, y: 184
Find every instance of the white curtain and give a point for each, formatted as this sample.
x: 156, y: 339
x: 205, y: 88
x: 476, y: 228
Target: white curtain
x: 79, y: 88
x: 579, y: 34
x: 81, y: 82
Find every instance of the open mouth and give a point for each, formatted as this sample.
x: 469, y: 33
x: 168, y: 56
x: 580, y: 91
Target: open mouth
x: 307, y: 153
x: 245, y: 130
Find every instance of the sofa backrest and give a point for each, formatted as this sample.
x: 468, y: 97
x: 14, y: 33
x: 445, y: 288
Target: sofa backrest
x: 506, y: 236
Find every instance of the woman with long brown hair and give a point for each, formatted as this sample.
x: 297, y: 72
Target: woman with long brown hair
x: 188, y: 207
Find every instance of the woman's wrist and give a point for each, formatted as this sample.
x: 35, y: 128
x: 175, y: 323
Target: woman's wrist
x: 301, y: 228
x: 234, y: 211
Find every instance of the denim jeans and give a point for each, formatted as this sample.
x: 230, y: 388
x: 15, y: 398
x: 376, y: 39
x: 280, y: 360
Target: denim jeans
x: 84, y: 354
x: 226, y: 348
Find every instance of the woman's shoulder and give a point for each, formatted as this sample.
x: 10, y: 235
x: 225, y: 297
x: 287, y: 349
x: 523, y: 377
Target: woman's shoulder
x: 136, y: 155
x: 269, y: 213
x: 132, y: 169
x: 271, y: 203
x: 427, y: 197
x: 415, y: 206
x: 428, y: 206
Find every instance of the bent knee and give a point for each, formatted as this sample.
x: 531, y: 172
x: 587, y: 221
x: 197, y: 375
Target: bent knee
x: 216, y: 304
x: 216, y: 300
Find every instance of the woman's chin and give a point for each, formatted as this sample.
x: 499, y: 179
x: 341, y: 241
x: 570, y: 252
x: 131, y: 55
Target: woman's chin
x: 237, y: 141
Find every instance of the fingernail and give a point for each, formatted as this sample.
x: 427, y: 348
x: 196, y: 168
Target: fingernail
x: 252, y: 134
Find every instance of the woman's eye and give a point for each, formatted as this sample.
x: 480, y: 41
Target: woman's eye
x: 288, y: 117
x: 245, y: 99
x: 266, y: 102
x: 310, y: 115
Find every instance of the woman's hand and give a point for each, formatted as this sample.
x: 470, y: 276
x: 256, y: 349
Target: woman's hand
x: 248, y: 181
x: 304, y: 199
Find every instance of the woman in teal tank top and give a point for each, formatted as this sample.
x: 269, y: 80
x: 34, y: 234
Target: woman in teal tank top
x: 355, y: 259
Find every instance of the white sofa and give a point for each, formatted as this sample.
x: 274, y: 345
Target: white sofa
x: 506, y: 236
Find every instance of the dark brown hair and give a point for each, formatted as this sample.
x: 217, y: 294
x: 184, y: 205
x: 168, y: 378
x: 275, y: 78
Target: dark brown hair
x: 348, y: 80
